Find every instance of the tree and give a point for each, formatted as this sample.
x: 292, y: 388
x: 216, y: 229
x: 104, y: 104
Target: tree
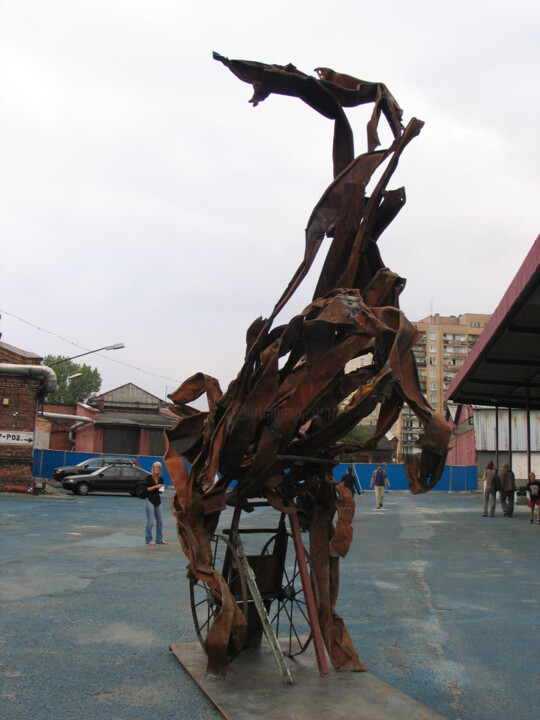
x: 80, y: 389
x: 359, y: 435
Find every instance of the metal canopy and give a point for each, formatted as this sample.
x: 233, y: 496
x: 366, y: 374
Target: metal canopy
x: 504, y: 367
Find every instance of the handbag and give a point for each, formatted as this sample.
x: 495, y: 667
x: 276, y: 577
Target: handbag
x: 496, y: 483
x: 141, y: 491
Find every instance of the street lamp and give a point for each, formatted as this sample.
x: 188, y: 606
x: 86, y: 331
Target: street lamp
x: 117, y: 346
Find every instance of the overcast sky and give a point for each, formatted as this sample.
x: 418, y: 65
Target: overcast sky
x: 143, y: 199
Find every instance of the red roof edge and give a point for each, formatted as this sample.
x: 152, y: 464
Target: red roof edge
x: 518, y: 285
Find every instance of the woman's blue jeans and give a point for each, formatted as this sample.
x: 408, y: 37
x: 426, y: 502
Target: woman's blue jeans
x: 151, y: 513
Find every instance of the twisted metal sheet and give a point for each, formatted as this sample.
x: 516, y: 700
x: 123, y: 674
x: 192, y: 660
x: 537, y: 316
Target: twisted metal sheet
x: 277, y: 429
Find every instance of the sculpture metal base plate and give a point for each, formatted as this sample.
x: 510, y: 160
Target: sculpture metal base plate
x: 254, y: 688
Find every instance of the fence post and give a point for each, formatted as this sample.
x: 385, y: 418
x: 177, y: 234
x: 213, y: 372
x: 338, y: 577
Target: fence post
x: 450, y: 480
x: 359, y: 488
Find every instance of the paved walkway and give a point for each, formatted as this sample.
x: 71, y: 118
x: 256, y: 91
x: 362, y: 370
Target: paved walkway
x: 441, y: 603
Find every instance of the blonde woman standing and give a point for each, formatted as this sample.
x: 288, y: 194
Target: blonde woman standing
x: 152, y: 505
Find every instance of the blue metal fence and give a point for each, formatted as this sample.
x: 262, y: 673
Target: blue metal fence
x: 455, y: 478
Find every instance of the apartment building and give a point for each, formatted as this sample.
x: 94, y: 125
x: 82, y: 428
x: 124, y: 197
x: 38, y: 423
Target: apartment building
x: 440, y: 351
x: 370, y: 421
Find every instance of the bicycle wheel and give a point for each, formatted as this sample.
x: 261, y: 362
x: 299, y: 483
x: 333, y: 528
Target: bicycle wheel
x: 205, y: 604
x: 288, y: 612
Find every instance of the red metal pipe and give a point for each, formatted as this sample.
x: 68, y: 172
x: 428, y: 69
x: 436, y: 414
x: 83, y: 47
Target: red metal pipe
x: 308, y: 594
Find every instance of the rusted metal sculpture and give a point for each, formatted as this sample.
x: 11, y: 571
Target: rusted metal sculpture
x: 276, y: 430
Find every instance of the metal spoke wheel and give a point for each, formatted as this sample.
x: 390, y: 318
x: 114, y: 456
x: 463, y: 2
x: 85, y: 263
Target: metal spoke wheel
x: 288, y: 612
x: 205, y: 605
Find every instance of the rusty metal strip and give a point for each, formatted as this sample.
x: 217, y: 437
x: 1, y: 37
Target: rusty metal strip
x: 308, y: 594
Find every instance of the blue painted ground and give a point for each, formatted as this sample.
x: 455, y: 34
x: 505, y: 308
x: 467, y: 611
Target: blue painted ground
x: 441, y: 603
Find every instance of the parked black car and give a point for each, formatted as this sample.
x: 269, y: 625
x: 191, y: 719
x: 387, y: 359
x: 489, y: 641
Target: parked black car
x: 114, y: 478
x: 89, y: 466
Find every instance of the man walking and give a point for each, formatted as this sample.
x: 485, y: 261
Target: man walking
x: 508, y: 488
x: 380, y: 480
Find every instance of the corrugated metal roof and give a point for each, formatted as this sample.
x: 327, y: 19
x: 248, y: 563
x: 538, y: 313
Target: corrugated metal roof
x: 134, y: 419
x: 504, y: 365
x: 129, y: 395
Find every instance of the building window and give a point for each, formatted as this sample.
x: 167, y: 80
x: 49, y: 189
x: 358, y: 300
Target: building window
x: 432, y: 361
x: 432, y: 373
x: 433, y: 348
x: 433, y: 399
x: 432, y: 386
x: 432, y: 336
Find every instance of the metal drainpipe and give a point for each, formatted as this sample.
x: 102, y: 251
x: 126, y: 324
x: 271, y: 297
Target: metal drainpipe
x: 528, y: 435
x: 497, y: 439
x: 72, y: 429
x: 46, y: 373
x: 81, y: 420
x: 66, y: 416
x: 510, y: 436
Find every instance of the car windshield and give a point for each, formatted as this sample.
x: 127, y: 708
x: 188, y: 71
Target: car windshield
x: 96, y: 471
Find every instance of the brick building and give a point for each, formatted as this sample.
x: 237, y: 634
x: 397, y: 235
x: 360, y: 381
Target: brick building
x: 441, y: 349
x: 55, y: 426
x: 127, y: 420
x: 24, y: 382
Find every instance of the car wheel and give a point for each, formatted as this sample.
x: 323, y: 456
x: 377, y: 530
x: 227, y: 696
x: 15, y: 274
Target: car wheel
x: 83, y: 488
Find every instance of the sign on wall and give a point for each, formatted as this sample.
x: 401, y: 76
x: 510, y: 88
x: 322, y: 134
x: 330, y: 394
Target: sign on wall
x: 16, y: 437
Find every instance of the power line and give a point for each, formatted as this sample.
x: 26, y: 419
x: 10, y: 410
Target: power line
x: 81, y: 347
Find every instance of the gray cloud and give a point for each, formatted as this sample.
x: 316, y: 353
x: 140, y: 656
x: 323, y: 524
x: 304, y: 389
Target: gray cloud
x: 144, y: 200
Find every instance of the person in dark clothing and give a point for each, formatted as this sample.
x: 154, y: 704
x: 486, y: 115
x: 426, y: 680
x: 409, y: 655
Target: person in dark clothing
x: 508, y: 488
x: 533, y: 496
x: 349, y: 480
x: 152, y: 505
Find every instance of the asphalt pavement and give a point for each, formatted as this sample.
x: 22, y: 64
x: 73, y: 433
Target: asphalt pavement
x: 441, y: 603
